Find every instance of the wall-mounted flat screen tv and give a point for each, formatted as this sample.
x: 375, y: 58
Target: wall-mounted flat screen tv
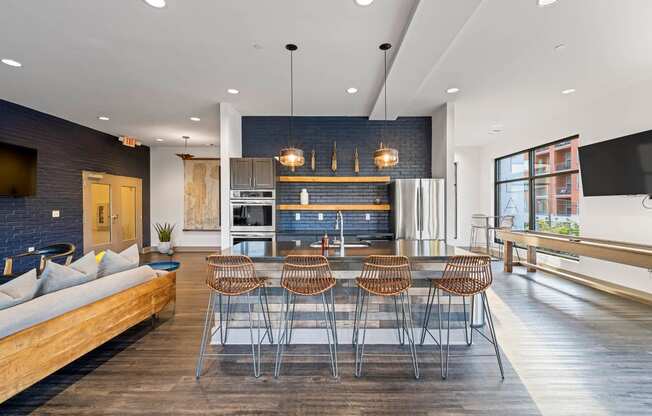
x: 620, y: 166
x: 17, y: 170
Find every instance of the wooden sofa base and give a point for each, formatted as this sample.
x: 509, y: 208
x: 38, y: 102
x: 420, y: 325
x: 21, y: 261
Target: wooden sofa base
x: 32, y: 354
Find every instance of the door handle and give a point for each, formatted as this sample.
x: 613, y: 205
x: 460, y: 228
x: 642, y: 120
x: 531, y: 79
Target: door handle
x: 114, y: 217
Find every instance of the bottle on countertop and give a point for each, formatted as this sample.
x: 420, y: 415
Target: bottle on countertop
x: 324, y: 244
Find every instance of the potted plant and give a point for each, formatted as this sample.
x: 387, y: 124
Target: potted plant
x: 164, y: 232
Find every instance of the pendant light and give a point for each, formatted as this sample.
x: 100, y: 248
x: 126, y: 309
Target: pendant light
x: 185, y: 155
x: 385, y: 157
x: 291, y: 157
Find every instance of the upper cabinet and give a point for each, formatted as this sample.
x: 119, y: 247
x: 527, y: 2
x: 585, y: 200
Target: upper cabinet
x: 264, y: 174
x: 253, y: 173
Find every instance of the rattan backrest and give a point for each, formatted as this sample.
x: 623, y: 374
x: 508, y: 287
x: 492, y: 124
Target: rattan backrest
x: 387, y: 268
x: 306, y: 267
x: 467, y: 268
x: 229, y: 267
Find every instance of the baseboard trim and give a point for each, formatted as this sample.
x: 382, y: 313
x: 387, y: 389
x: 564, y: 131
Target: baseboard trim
x: 608, y: 287
x: 196, y: 249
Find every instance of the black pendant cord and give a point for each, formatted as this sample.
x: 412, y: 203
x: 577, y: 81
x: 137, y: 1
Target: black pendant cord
x: 291, y: 95
x: 385, y: 89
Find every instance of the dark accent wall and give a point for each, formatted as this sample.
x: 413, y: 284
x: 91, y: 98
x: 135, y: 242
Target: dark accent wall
x: 65, y: 149
x: 412, y: 136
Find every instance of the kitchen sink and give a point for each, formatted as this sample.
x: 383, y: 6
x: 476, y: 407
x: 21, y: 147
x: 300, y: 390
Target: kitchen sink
x: 336, y: 244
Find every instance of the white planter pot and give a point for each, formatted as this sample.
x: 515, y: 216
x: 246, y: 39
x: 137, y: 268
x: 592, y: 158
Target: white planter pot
x: 164, y: 247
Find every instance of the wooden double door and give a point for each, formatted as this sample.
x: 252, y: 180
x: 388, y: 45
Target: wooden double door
x: 113, y: 211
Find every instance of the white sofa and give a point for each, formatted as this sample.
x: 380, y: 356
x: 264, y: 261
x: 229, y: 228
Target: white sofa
x: 48, y: 332
x: 45, y: 307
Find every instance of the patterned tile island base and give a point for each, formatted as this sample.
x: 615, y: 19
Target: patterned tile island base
x: 309, y: 326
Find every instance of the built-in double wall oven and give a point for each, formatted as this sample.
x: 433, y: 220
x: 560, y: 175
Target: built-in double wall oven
x: 253, y: 215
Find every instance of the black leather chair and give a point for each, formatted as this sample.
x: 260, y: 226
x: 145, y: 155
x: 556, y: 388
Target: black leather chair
x: 46, y: 253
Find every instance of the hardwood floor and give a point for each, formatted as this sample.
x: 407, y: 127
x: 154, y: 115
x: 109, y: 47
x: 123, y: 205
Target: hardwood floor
x: 568, y: 349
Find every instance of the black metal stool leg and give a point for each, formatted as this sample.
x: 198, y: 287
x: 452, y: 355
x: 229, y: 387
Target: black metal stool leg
x: 490, y: 322
x: 359, y: 348
x: 255, y: 355
x: 356, y: 318
x: 205, y: 334
x: 400, y: 327
x: 329, y: 317
x: 410, y: 332
x: 266, y: 316
x: 282, y: 333
x: 426, y: 318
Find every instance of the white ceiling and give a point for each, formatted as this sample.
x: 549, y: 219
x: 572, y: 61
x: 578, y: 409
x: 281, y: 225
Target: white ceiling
x: 150, y: 70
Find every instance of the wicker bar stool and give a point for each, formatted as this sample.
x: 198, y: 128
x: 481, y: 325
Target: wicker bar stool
x: 306, y: 276
x: 234, y: 276
x: 463, y: 276
x: 384, y: 276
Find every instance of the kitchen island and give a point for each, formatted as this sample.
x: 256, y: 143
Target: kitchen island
x: 427, y: 261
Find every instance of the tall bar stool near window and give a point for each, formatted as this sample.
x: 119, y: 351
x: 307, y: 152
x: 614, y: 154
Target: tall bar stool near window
x: 464, y: 276
x: 230, y: 276
x: 307, y: 276
x: 387, y: 276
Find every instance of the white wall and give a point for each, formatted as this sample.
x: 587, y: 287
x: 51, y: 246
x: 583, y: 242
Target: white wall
x: 618, y: 218
x: 166, y: 195
x: 230, y: 146
x: 469, y: 198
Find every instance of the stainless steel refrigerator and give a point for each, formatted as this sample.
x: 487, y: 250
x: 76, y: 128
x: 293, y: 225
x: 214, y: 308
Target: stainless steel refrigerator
x: 418, y: 209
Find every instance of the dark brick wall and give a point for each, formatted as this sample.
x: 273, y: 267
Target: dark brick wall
x: 64, y: 150
x: 265, y: 136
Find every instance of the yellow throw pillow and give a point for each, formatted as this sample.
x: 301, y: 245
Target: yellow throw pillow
x: 98, y: 257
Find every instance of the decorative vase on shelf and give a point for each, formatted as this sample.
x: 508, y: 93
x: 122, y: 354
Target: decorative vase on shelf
x: 305, y: 197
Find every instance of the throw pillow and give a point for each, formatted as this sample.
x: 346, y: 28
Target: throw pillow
x: 113, y: 262
x: 19, y: 290
x: 56, y: 277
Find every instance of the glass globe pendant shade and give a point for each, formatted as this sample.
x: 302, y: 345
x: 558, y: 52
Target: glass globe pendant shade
x: 292, y: 158
x: 385, y: 157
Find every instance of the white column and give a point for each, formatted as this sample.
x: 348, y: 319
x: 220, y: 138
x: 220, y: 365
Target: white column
x: 230, y: 146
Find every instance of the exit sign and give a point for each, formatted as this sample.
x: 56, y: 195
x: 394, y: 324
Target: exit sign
x: 129, y: 141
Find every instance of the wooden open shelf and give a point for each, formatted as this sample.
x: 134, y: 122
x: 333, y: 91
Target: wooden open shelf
x: 334, y: 207
x: 335, y: 179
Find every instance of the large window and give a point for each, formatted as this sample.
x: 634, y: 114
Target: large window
x: 540, y: 188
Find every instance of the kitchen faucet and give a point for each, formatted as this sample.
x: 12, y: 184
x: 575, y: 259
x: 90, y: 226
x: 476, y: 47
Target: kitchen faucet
x: 339, y: 225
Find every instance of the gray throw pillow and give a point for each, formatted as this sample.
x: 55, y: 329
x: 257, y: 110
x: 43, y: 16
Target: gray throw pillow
x: 19, y: 290
x: 113, y: 262
x: 56, y: 277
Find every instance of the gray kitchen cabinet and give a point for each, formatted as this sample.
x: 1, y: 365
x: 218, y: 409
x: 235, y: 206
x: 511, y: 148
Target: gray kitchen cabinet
x: 253, y: 173
x: 264, y: 173
x: 241, y: 174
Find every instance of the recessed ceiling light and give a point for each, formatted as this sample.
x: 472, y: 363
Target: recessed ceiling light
x: 11, y: 62
x: 159, y: 4
x: 560, y: 47
x: 496, y: 128
x: 543, y: 3
x: 568, y: 91
x: 103, y: 118
x: 453, y: 90
x: 363, y: 2
x: 352, y: 90
x: 160, y: 140
x: 233, y: 91
x: 195, y: 119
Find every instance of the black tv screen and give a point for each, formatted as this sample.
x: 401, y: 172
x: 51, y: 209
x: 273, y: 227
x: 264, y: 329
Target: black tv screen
x: 620, y: 166
x: 17, y: 170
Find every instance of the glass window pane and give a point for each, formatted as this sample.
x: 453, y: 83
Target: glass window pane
x: 128, y: 212
x: 513, y: 167
x: 101, y: 203
x: 557, y: 157
x: 513, y: 199
x: 556, y: 207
